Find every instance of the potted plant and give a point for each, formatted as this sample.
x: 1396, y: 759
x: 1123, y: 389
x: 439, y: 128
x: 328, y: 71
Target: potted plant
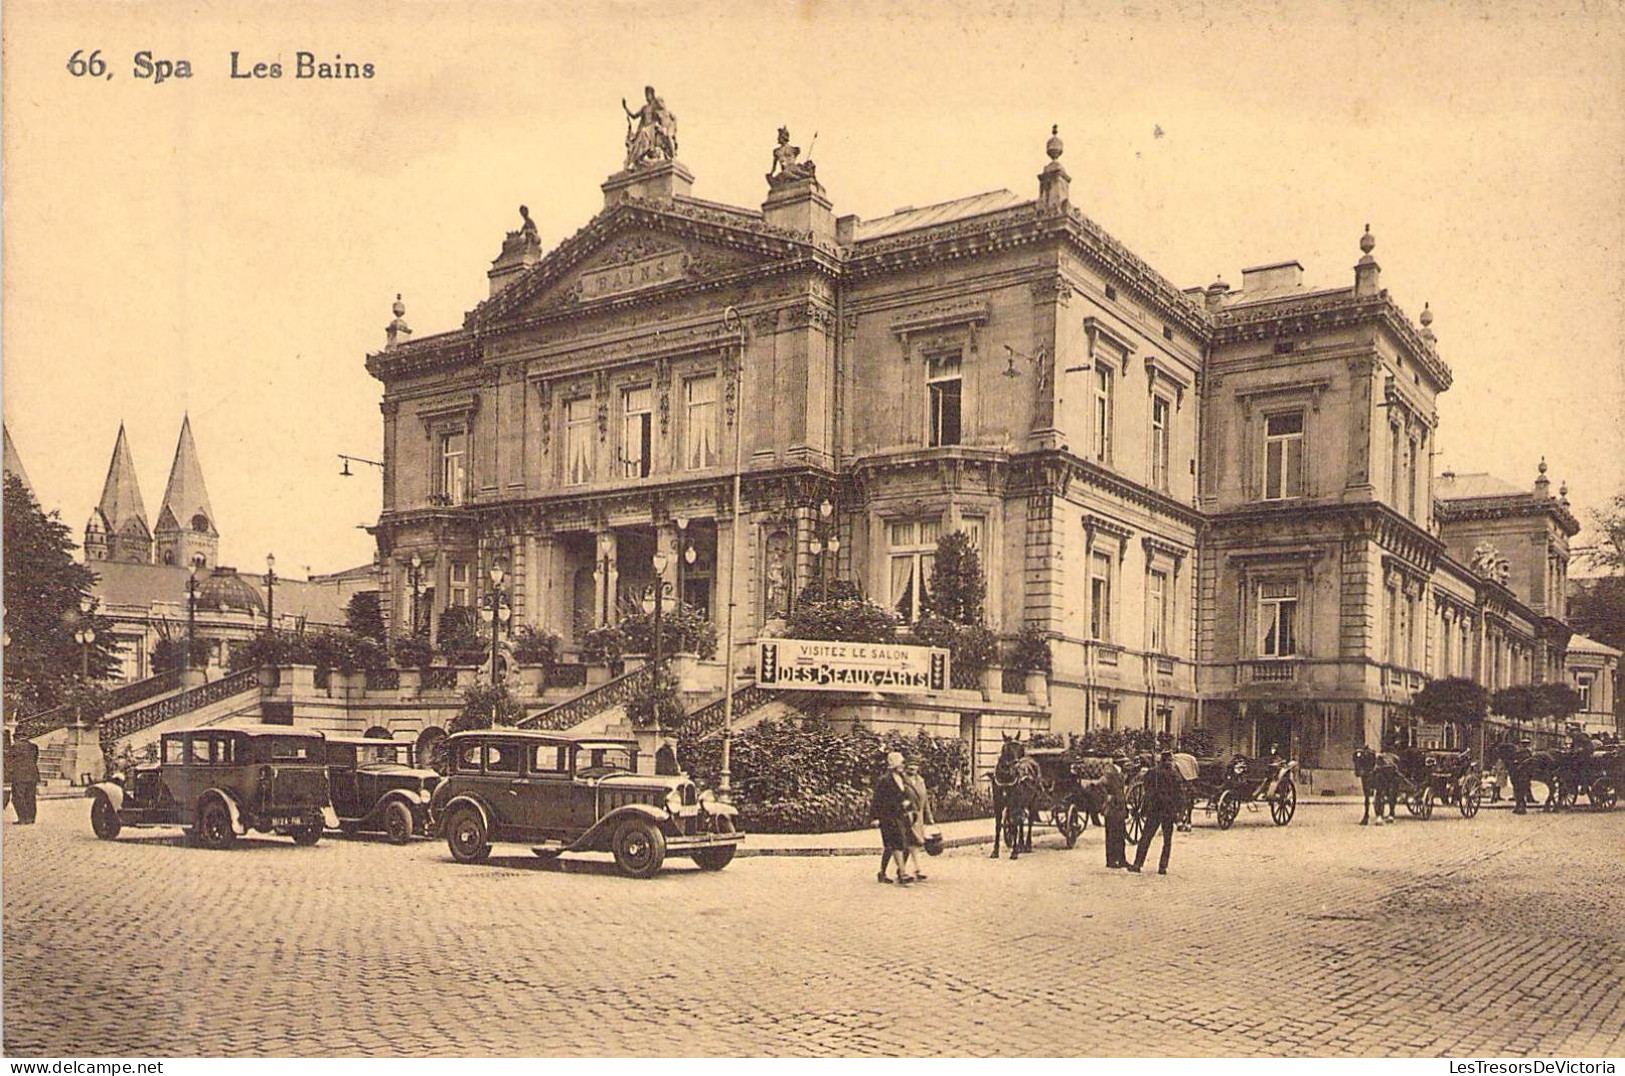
x: 1031, y: 655
x: 602, y: 648
x: 413, y: 654
x: 536, y: 651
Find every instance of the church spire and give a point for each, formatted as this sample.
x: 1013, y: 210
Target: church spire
x: 14, y: 462
x: 186, y: 520
x: 120, y: 516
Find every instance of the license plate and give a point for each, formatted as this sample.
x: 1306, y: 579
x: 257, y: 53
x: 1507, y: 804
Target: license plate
x: 281, y: 821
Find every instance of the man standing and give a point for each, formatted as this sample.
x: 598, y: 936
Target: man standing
x: 1164, y: 804
x: 24, y: 779
x: 1116, y: 814
x: 1522, y: 761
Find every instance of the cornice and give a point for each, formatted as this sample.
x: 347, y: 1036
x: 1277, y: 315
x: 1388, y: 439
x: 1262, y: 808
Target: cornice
x: 1322, y: 311
x: 1463, y: 509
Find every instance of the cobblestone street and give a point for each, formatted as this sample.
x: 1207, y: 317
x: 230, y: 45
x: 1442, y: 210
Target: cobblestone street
x: 1500, y: 935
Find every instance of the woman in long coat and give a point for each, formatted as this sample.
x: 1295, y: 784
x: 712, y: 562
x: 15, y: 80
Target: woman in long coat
x: 891, y: 804
x: 921, y: 817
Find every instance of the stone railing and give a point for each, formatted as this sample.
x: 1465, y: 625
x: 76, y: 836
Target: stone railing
x: 615, y: 693
x: 144, y: 717
x: 440, y: 678
x: 383, y: 679
x: 1272, y: 671
x: 708, y: 719
x: 141, y: 690
x: 57, y: 717
x: 567, y: 675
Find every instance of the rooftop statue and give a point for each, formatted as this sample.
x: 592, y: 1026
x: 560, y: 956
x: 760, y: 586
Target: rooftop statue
x: 787, y: 164
x: 655, y: 137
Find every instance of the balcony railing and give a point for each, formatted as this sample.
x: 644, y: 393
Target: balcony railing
x: 1272, y: 672
x: 567, y: 675
x: 440, y: 678
x: 145, y: 717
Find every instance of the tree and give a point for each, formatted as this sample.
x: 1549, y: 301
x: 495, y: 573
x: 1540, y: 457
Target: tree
x: 485, y: 705
x: 1609, y: 552
x: 1597, y: 609
x: 1517, y: 702
x: 460, y: 636
x: 365, y: 616
x: 1556, y: 699
x: 45, y: 589
x: 1453, y: 700
x: 958, y: 589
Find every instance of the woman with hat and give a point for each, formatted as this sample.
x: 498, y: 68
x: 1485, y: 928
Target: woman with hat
x: 919, y: 818
x: 891, y: 805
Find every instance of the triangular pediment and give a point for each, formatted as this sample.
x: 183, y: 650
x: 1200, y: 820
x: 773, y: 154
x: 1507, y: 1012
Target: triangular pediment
x: 637, y: 251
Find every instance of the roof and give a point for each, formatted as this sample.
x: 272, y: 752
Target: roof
x: 121, y: 502
x: 186, y: 497
x: 224, y: 589
x: 368, y: 741
x: 124, y: 583
x: 906, y: 220
x: 1581, y: 644
x: 317, y: 603
x: 1452, y: 486
x: 14, y: 462
x: 256, y: 730
x: 541, y: 735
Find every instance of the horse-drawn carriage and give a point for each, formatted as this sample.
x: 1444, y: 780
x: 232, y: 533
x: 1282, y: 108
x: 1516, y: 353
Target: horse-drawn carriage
x: 1221, y: 786
x: 1447, y: 777
x: 1033, y: 785
x: 1598, y: 773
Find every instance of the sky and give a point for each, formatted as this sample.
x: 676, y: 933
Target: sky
x: 231, y: 247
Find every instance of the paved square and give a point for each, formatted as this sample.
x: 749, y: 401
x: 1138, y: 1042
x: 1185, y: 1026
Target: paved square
x: 1499, y: 935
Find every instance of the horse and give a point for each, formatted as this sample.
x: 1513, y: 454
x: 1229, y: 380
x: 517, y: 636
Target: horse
x: 1379, y: 777
x: 1550, y: 768
x: 1015, y: 793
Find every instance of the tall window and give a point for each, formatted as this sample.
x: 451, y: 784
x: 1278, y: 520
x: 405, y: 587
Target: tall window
x: 1283, y: 456
x: 1413, y: 479
x: 1583, y: 685
x: 944, y: 387
x: 578, y: 434
x: 636, y: 431
x: 1156, y: 611
x: 459, y: 583
x: 912, y: 549
x: 1103, y: 414
x: 1100, y: 597
x: 1159, y: 442
x: 453, y: 471
x: 1393, y: 625
x: 1407, y: 632
x: 972, y: 526
x: 700, y: 422
x: 1277, y: 619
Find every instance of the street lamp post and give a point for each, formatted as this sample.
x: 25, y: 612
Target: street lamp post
x: 191, y: 612
x: 270, y: 592
x: 602, y: 573
x: 84, y: 636
x: 659, y: 563
x: 732, y: 322
x: 685, y: 554
x: 417, y: 588
x: 497, y: 576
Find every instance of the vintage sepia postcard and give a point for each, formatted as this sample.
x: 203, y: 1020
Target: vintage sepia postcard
x: 881, y: 530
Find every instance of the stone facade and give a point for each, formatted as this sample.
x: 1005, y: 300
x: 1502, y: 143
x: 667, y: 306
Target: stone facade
x: 1219, y: 504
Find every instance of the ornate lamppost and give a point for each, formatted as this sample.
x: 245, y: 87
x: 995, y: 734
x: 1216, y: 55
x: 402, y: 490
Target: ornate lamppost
x: 498, y: 574
x: 602, y: 572
x: 825, y: 544
x: 191, y: 612
x: 416, y: 579
x: 732, y: 322
x: 85, y: 636
x: 270, y: 592
x: 658, y: 562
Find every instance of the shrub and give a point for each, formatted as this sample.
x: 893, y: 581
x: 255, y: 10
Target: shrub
x: 603, y: 645
x: 843, y: 590
x: 853, y: 620
x: 1453, y: 699
x: 828, y: 812
x: 535, y: 646
x: 486, y: 705
x: 364, y: 616
x: 414, y: 651
x: 268, y: 648
x: 1198, y: 742
x: 972, y: 647
x: 683, y: 629
x: 1031, y: 652
x: 460, y: 639
x: 958, y: 804
x: 958, y: 589
x: 1046, y: 739
x: 346, y: 652
x: 169, y: 655
x: 659, y: 697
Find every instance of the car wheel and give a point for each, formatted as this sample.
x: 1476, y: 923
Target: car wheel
x: 714, y: 859
x: 398, y: 822
x: 311, y: 832
x: 214, y: 826
x: 639, y: 848
x: 104, y: 818
x: 467, y: 837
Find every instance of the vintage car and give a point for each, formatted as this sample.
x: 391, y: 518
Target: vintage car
x: 220, y: 782
x: 560, y: 793
x: 376, y: 787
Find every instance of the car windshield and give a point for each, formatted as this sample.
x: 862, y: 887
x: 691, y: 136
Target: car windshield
x: 593, y: 761
x: 291, y: 749
x: 383, y: 754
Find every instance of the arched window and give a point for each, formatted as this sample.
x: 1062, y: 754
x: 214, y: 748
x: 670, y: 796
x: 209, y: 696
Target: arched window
x: 200, y: 523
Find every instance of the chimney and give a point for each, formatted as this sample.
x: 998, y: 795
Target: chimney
x: 846, y: 229
x: 1279, y: 276
x: 1054, y: 185
x: 1366, y: 272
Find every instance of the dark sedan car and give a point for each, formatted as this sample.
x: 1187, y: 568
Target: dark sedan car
x: 376, y: 787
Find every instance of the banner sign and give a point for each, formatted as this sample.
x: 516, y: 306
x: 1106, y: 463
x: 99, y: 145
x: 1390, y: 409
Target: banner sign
x: 817, y: 665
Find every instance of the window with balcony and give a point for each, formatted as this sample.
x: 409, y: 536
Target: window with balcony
x: 912, y: 551
x: 453, y: 467
x: 578, y: 435
x: 1100, y: 597
x: 1278, y: 619
x: 636, y: 431
x: 1156, y: 611
x: 1283, y: 456
x: 700, y: 422
x: 1102, y: 445
x: 944, y: 389
x: 1160, y: 413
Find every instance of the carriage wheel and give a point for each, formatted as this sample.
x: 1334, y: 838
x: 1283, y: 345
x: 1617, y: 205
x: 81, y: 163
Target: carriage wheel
x: 1568, y: 795
x: 1070, y: 823
x: 1227, y: 808
x: 1603, y: 794
x: 1413, y: 804
x: 1472, y: 794
x: 1135, y: 823
x: 1426, y: 805
x: 1285, y: 803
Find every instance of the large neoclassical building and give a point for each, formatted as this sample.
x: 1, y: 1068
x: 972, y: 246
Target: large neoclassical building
x: 1218, y: 501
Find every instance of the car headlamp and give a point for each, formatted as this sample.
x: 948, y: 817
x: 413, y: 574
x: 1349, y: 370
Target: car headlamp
x: 707, y: 798
x: 674, y: 800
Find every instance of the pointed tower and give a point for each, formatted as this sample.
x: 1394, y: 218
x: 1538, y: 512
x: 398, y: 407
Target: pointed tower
x: 14, y: 462
x: 185, y: 525
x: 118, y: 525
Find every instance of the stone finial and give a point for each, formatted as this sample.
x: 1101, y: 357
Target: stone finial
x: 1563, y: 493
x: 1542, y: 483
x: 1054, y: 185
x: 1427, y: 324
x: 398, y: 331
x: 1366, y: 271
x: 1216, y: 292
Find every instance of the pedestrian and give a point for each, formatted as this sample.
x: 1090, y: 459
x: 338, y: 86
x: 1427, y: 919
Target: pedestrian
x: 1498, y: 778
x: 890, y: 807
x: 1164, y: 804
x: 1523, y: 760
x: 24, y: 779
x: 1111, y: 784
x: 920, y: 817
